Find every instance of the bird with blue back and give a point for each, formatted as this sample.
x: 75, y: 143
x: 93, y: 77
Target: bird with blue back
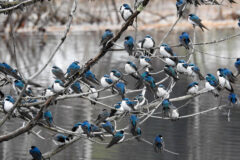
x: 129, y: 45
x: 181, y: 5
x: 72, y: 69
x: 137, y: 132
x: 117, y: 138
x: 126, y: 11
x: 76, y: 87
x: 93, y: 95
x: 171, y: 61
x: 121, y: 88
x: 48, y: 118
x: 166, y: 107
x: 35, y: 153
x: 115, y: 75
x: 225, y: 83
x: 103, y: 115
x: 166, y: 50
x: 158, y: 143
x: 107, y: 35
x: 76, y: 129
x: 108, y: 127
x: 150, y: 84
x: 196, y: 72
x: 162, y: 91
x: 182, y: 66
x: 148, y: 43
x: 8, y: 70
x: 106, y: 81
x: 86, y: 127
x: 145, y: 61
x: 128, y: 105
x: 58, y: 86
x: 226, y: 73
x: 212, y: 84
x: 232, y: 98
x: 169, y: 70
x: 58, y: 73
x: 8, y: 104
x: 237, y: 65
x: 131, y: 69
x: 118, y: 109
x: 61, y: 139
x: 90, y: 77
x: 196, y: 21
x: 133, y: 121
x: 192, y: 88
x: 19, y: 84
x: 184, y: 40
x: 98, y: 132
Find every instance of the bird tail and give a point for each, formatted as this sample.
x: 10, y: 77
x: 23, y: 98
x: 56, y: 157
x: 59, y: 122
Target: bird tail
x: 201, y: 77
x: 202, y: 26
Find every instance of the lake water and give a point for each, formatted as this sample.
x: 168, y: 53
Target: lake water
x: 209, y: 136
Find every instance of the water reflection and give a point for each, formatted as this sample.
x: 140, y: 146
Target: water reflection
x: 208, y: 136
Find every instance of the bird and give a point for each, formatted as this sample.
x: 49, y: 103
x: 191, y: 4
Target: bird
x: 61, y: 139
x: 148, y: 43
x: 127, y: 104
x: 212, y: 84
x: 117, y: 138
x: 158, y: 143
x: 126, y: 11
x: 8, y: 70
x: 106, y: 81
x: 48, y: 92
x: 107, y: 35
x: 166, y: 107
x: 232, y: 98
x: 173, y: 113
x: 196, y: 72
x: 169, y: 70
x: 192, y: 88
x: 58, y: 86
x: 86, y: 127
x: 166, y: 50
x: 196, y: 21
x: 149, y: 82
x: 133, y: 121
x: 224, y: 83
x: 97, y: 129
x: 182, y: 67
x: 137, y: 132
x: 131, y: 68
x: 48, y: 118
x: 118, y: 109
x: 145, y: 61
x: 129, y: 45
x: 102, y: 116
x: 19, y: 84
x: 108, y: 127
x: 180, y: 4
x: 239, y: 22
x: 226, y: 73
x: 72, y: 69
x: 35, y: 153
x: 140, y: 99
x: 76, y: 129
x: 93, y: 95
x: 162, y: 92
x: 58, y: 73
x: 8, y: 103
x: 90, y: 77
x: 237, y: 65
x: 76, y: 87
x: 185, y: 40
x: 115, y: 75
x: 171, y: 61
x: 121, y: 88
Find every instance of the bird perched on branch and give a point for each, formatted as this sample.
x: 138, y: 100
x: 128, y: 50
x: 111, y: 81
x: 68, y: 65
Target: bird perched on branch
x: 35, y: 153
x: 226, y: 73
x: 182, y: 67
x: 72, y: 69
x: 93, y: 95
x: 48, y: 92
x: 8, y: 70
x: 148, y: 43
x: 232, y: 98
x: 86, y: 127
x: 192, y: 88
x: 118, y: 109
x: 196, y: 21
x: 76, y: 87
x: 145, y: 62
x: 102, y: 116
x: 58, y: 86
x: 108, y: 127
x: 48, y: 118
x: 117, y: 138
x: 127, y: 104
x: 129, y: 45
x: 158, y: 143
x: 121, y: 89
x: 166, y: 50
x: 97, y: 129
x: 77, y: 129
x: 90, y: 77
x: 171, y: 61
x: 180, y: 4
x: 115, y: 75
x: 169, y: 70
x: 137, y: 132
x: 162, y: 92
x: 140, y: 99
x: 212, y: 84
x: 106, y: 81
x: 58, y: 73
x: 126, y: 11
x: 133, y: 121
x: 8, y: 103
x: 131, y: 68
x: 107, y: 35
x: 185, y: 40
x: 61, y: 139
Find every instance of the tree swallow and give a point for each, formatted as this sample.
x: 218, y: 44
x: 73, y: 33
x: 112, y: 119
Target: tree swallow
x: 196, y: 21
x: 61, y: 139
x: 49, y: 118
x: 106, y: 81
x: 8, y: 104
x: 58, y: 73
x: 108, y: 127
x: 162, y: 92
x: 224, y: 83
x: 140, y: 99
x: 102, y: 116
x: 117, y: 138
x: 126, y: 11
x: 185, y: 40
x: 148, y: 43
x: 180, y: 4
x: 115, y: 75
x: 192, y: 88
x: 118, y: 109
x: 96, y: 129
x: 120, y: 87
x: 107, y: 35
x: 89, y: 76
x: 86, y: 127
x: 232, y: 98
x: 226, y: 73
x: 137, y: 132
x: 8, y: 70
x: 169, y: 70
x: 131, y: 68
x: 127, y: 104
x: 129, y: 45
x: 76, y: 87
x: 145, y: 62
x: 73, y: 69
x: 36, y: 153
x: 58, y: 86
x: 158, y: 143
x: 77, y: 129
x: 212, y: 84
x: 133, y: 121
x: 171, y: 61
x: 182, y: 67
x: 93, y: 95
x: 166, y: 50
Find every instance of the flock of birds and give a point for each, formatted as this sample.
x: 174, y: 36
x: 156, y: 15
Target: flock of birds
x: 116, y: 83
